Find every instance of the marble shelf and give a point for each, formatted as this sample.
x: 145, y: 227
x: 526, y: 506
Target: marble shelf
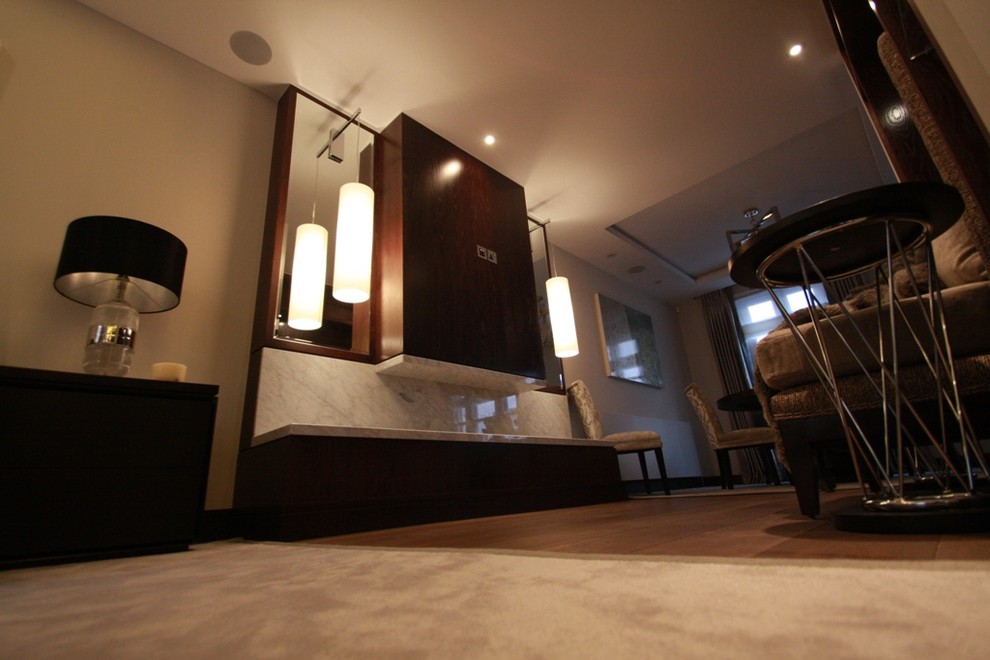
x: 410, y: 366
x: 371, y: 433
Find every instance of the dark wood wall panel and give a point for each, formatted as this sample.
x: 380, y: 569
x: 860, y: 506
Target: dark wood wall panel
x: 958, y: 150
x: 963, y: 135
x: 389, y: 251
x: 857, y: 28
x: 456, y: 306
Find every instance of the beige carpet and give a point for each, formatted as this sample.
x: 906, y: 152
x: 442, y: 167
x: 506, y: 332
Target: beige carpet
x: 270, y: 600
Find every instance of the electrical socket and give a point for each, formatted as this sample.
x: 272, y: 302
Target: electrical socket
x: 487, y: 255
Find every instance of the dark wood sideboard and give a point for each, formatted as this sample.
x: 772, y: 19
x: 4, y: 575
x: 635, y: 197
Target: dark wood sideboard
x: 100, y: 466
x: 305, y: 484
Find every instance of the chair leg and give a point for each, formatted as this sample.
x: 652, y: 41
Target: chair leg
x: 725, y: 468
x: 642, y: 467
x: 663, y: 470
x: 804, y: 473
x: 769, y: 465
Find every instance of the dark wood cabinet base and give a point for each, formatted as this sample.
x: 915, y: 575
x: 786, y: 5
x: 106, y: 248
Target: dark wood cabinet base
x: 301, y: 487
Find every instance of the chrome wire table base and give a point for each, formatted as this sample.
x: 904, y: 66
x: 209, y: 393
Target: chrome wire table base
x: 924, y: 466
x: 925, y: 502
x: 971, y: 520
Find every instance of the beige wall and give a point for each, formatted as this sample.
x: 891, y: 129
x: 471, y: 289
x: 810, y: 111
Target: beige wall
x: 97, y: 119
x: 960, y: 30
x: 624, y: 405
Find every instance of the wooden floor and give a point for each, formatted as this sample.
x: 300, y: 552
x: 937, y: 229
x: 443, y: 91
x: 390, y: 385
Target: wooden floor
x: 747, y: 523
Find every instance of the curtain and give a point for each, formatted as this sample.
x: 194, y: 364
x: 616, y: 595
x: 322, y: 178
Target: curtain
x: 839, y: 290
x: 723, y: 331
x: 734, y: 371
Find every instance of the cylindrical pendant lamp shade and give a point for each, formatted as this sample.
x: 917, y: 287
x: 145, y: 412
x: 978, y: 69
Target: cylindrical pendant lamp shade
x: 309, y: 277
x: 565, y: 343
x: 352, y: 253
x: 99, y: 249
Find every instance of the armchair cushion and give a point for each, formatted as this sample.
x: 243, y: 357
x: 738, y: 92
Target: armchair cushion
x: 739, y: 438
x: 859, y: 392
x: 782, y: 364
x: 957, y: 258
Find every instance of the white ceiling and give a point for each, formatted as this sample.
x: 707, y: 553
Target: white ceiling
x: 669, y: 117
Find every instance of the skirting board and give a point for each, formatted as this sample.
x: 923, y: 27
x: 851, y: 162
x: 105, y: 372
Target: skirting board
x: 302, y: 486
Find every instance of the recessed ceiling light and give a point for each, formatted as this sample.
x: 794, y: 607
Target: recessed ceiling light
x: 795, y: 50
x: 895, y: 115
x: 489, y: 140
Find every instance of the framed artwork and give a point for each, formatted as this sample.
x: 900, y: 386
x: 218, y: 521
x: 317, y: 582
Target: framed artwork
x: 630, y: 345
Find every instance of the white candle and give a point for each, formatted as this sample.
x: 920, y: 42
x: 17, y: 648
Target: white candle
x: 168, y: 371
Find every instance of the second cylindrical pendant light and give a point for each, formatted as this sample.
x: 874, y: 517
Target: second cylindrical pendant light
x: 352, y: 251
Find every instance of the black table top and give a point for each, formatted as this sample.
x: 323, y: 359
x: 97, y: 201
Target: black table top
x: 845, y: 235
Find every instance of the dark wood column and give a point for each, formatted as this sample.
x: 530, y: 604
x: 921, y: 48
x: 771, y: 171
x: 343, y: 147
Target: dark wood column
x: 457, y: 268
x: 857, y: 28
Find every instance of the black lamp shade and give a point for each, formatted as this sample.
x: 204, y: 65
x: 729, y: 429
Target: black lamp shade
x: 100, y: 248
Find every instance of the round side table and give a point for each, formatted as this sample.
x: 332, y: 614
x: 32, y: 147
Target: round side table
x: 915, y: 466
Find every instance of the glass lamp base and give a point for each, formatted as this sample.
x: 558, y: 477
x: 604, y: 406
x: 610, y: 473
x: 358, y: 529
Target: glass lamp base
x: 107, y: 359
x: 110, y: 345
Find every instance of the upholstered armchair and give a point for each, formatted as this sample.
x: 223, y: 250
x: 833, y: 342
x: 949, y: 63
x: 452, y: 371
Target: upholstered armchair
x: 801, y: 409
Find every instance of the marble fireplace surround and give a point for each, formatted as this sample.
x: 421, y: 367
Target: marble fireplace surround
x: 424, y: 398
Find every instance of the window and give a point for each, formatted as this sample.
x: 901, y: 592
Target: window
x: 758, y: 314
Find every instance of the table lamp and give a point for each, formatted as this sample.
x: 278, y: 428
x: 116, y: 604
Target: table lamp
x: 123, y: 268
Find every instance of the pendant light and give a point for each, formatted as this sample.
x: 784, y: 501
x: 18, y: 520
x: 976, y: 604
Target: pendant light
x: 355, y: 237
x: 565, y: 342
x: 309, y: 271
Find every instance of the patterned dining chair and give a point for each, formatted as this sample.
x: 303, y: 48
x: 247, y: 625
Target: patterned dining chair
x: 724, y: 441
x: 625, y: 442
